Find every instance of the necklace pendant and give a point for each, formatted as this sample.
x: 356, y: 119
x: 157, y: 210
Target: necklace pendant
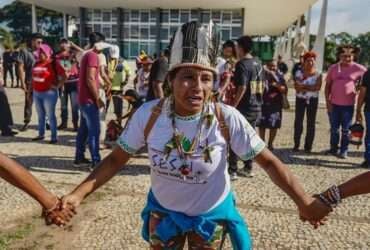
x: 185, y: 170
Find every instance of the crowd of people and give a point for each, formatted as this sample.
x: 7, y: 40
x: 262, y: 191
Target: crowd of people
x: 197, y: 111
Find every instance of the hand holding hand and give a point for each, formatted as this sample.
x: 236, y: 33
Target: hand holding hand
x: 314, y: 211
x: 58, y: 216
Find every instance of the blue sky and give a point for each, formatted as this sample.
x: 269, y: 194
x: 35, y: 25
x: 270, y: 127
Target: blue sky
x: 352, y: 16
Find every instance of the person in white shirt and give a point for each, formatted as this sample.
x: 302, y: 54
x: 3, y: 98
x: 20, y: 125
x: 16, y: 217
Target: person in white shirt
x: 188, y: 137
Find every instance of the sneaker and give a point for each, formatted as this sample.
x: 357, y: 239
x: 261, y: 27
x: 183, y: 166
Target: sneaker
x: 296, y: 149
x: 93, y: 166
x: 247, y: 173
x: 343, y: 155
x: 233, y: 176
x: 62, y: 126
x: 47, y: 126
x: 53, y: 141
x: 25, y: 126
x: 365, y: 164
x: 81, y: 163
x: 331, y: 152
x: 38, y: 138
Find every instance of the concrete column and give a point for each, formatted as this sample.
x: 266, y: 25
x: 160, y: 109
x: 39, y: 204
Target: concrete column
x: 120, y: 26
x: 158, y: 35
x: 307, y: 29
x: 65, y: 25
x: 82, y: 27
x: 34, y: 18
x: 319, y: 47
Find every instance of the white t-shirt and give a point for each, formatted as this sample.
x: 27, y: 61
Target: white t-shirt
x: 220, y: 70
x: 142, y: 86
x: 310, y: 81
x: 208, y: 184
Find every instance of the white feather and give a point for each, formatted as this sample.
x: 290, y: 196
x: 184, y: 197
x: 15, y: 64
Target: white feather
x: 176, y: 50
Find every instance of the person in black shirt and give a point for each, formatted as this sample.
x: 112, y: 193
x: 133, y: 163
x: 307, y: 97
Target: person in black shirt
x: 157, y: 77
x: 298, y: 66
x: 8, y: 64
x: 364, y: 98
x: 249, y: 81
x: 283, y: 68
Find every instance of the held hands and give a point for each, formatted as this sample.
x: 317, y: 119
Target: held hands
x: 314, y: 211
x: 58, y: 214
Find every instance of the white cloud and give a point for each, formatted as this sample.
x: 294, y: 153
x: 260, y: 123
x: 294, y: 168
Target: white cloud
x: 351, y: 16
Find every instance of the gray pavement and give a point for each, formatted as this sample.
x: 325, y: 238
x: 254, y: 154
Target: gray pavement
x: 110, y: 219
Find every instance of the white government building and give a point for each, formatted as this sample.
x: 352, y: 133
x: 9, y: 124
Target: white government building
x: 148, y: 25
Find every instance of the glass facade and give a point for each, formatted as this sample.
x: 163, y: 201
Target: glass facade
x: 150, y: 30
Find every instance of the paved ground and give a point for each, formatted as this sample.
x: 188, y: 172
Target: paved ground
x: 110, y: 219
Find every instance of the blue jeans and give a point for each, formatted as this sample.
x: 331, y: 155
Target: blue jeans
x: 341, y: 116
x: 367, y: 137
x: 45, y: 103
x: 73, y: 96
x: 88, y: 131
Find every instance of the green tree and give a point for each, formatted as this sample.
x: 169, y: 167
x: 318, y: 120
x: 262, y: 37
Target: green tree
x: 6, y: 38
x: 17, y: 16
x: 363, y: 42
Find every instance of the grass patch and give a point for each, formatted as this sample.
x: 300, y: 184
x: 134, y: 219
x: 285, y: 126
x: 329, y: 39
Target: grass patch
x: 18, y: 234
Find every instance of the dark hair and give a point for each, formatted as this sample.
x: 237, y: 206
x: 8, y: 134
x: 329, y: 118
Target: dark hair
x: 246, y: 43
x: 132, y: 93
x: 35, y: 36
x: 96, y: 37
x: 230, y: 44
x: 63, y: 40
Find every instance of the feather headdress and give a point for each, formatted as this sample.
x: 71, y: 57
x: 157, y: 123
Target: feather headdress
x: 195, y: 45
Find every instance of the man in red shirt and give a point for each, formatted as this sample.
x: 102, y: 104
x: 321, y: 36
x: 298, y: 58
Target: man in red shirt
x: 90, y: 103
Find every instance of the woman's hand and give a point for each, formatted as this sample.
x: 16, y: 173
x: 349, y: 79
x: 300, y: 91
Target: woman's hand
x: 71, y: 199
x: 58, y: 215
x: 314, y: 211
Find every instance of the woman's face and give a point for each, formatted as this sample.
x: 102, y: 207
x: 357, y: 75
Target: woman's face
x: 309, y: 63
x: 43, y: 57
x: 347, y: 58
x: 191, y: 88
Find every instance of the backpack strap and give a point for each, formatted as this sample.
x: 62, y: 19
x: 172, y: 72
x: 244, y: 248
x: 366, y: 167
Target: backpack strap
x: 221, y: 120
x: 156, y: 111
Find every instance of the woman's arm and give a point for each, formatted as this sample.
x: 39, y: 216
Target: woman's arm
x: 310, y: 208
x: 101, y: 175
x: 356, y: 186
x: 315, y: 87
x: 18, y: 176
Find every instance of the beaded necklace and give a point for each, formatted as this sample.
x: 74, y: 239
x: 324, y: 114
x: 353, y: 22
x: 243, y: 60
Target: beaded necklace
x: 178, y: 140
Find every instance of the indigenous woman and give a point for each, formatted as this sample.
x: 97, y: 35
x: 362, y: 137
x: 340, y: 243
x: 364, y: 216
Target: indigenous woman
x: 307, y: 85
x: 272, y: 103
x: 45, y: 88
x: 188, y: 137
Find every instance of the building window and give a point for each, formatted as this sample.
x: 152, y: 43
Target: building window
x: 226, y: 17
x: 126, y: 16
x: 184, y: 16
x: 126, y: 32
x: 97, y: 16
x: 134, y: 16
x: 216, y: 16
x: 165, y: 17
x: 206, y: 17
x: 144, y: 17
x: 106, y: 16
x: 236, y: 32
x: 97, y: 28
x: 107, y: 31
x: 153, y: 16
x: 114, y: 31
x: 194, y: 15
x: 164, y: 33
x: 144, y: 33
x: 134, y: 32
x: 134, y: 49
x: 114, y: 15
x: 153, y: 32
x: 225, y: 35
x: 174, y: 16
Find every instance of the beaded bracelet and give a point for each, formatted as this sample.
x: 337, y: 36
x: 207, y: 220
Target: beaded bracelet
x: 331, y: 197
